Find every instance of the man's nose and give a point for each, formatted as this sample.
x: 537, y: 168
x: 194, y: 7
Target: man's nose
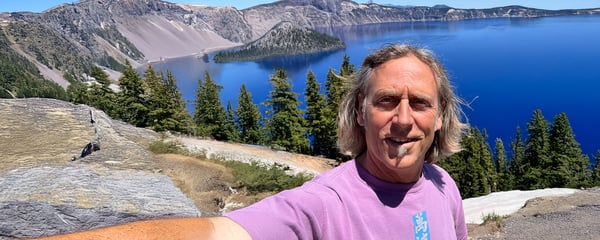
x: 403, y: 114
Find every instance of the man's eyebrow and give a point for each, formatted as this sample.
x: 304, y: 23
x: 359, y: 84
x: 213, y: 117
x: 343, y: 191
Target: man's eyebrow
x: 386, y: 92
x: 420, y: 96
x: 412, y: 95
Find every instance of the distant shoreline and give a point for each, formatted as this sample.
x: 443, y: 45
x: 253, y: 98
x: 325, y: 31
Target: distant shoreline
x: 202, y: 53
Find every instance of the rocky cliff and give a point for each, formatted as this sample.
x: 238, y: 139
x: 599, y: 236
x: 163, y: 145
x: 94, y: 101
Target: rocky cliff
x: 108, y: 32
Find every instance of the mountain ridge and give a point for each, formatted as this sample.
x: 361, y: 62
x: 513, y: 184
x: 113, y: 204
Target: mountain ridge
x: 109, y: 32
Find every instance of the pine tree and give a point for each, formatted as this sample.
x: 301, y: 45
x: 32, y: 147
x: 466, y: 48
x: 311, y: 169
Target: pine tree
x: 334, y: 90
x: 230, y: 132
x: 596, y: 174
x: 504, y: 177
x: 516, y: 166
x: 77, y: 92
x: 537, y: 154
x: 347, y: 69
x: 166, y: 107
x: 466, y: 167
x: 155, y: 93
x: 316, y: 123
x: 248, y: 118
x: 500, y: 154
x: 209, y: 114
x: 181, y: 116
x: 132, y: 105
x: 568, y: 166
x: 486, y: 161
x: 286, y: 123
x: 100, y: 95
x: 456, y: 166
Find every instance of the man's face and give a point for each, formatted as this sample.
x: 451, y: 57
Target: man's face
x: 400, y: 118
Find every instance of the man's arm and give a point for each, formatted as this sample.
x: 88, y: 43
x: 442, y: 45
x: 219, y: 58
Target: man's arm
x: 176, y: 229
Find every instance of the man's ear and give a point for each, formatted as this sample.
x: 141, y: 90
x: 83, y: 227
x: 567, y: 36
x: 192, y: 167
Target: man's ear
x: 360, y: 116
x: 439, y: 117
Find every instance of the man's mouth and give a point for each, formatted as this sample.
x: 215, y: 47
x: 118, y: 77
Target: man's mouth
x: 400, y: 141
x: 400, y: 145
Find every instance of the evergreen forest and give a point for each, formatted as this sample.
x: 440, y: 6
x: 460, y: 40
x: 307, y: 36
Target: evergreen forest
x: 543, y: 155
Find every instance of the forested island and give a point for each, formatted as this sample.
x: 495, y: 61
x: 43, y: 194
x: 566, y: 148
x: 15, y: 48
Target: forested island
x: 284, y: 39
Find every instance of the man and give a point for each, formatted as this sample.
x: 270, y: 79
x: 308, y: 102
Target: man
x: 399, y: 117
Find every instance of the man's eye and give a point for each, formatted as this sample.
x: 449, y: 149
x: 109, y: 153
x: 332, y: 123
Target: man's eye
x: 419, y: 104
x: 387, y: 102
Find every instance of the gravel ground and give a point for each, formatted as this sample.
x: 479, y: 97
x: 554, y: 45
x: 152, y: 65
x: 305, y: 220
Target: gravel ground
x: 297, y: 163
x: 576, y: 216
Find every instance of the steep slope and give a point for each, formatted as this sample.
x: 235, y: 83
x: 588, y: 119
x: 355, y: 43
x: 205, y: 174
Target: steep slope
x: 109, y: 32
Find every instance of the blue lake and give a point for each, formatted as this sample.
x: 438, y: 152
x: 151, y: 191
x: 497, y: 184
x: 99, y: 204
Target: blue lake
x: 505, y: 67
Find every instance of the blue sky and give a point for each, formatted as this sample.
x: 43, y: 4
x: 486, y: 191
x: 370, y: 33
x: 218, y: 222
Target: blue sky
x: 41, y: 5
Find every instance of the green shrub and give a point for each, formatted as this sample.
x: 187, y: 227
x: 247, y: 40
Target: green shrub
x: 161, y: 146
x: 492, y: 217
x: 258, y: 177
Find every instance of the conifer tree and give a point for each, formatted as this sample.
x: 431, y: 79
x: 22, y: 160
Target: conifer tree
x: 316, y: 122
x: 248, y: 118
x: 77, y: 92
x: 97, y: 94
x: 516, y: 165
x: 487, y: 162
x: 536, y: 153
x: 456, y: 166
x: 155, y: 93
x: 466, y: 166
x: 166, y: 108
x: 286, y: 123
x: 504, y: 177
x: 100, y: 95
x: 347, y: 69
x: 568, y: 166
x: 230, y: 132
x: 500, y: 154
x: 596, y: 174
x: 182, y: 120
x: 132, y: 105
x: 335, y: 89
x: 106, y: 97
x: 209, y: 114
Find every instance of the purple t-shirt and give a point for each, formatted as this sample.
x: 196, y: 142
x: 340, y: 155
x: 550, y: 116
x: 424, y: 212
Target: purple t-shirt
x: 349, y: 203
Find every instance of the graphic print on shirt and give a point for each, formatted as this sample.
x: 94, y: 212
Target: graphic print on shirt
x: 421, y: 226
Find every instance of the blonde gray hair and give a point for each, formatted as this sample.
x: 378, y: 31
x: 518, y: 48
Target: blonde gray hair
x: 351, y: 136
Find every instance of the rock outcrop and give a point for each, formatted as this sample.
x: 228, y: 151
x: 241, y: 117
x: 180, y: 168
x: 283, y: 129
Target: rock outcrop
x: 46, y: 187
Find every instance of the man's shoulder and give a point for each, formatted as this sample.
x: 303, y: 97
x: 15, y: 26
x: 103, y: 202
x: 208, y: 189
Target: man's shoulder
x: 332, y: 182
x: 441, y: 179
x: 437, y: 169
x: 344, y: 172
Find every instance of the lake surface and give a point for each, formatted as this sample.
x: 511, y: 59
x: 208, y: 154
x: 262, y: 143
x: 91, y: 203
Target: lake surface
x: 506, y: 68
